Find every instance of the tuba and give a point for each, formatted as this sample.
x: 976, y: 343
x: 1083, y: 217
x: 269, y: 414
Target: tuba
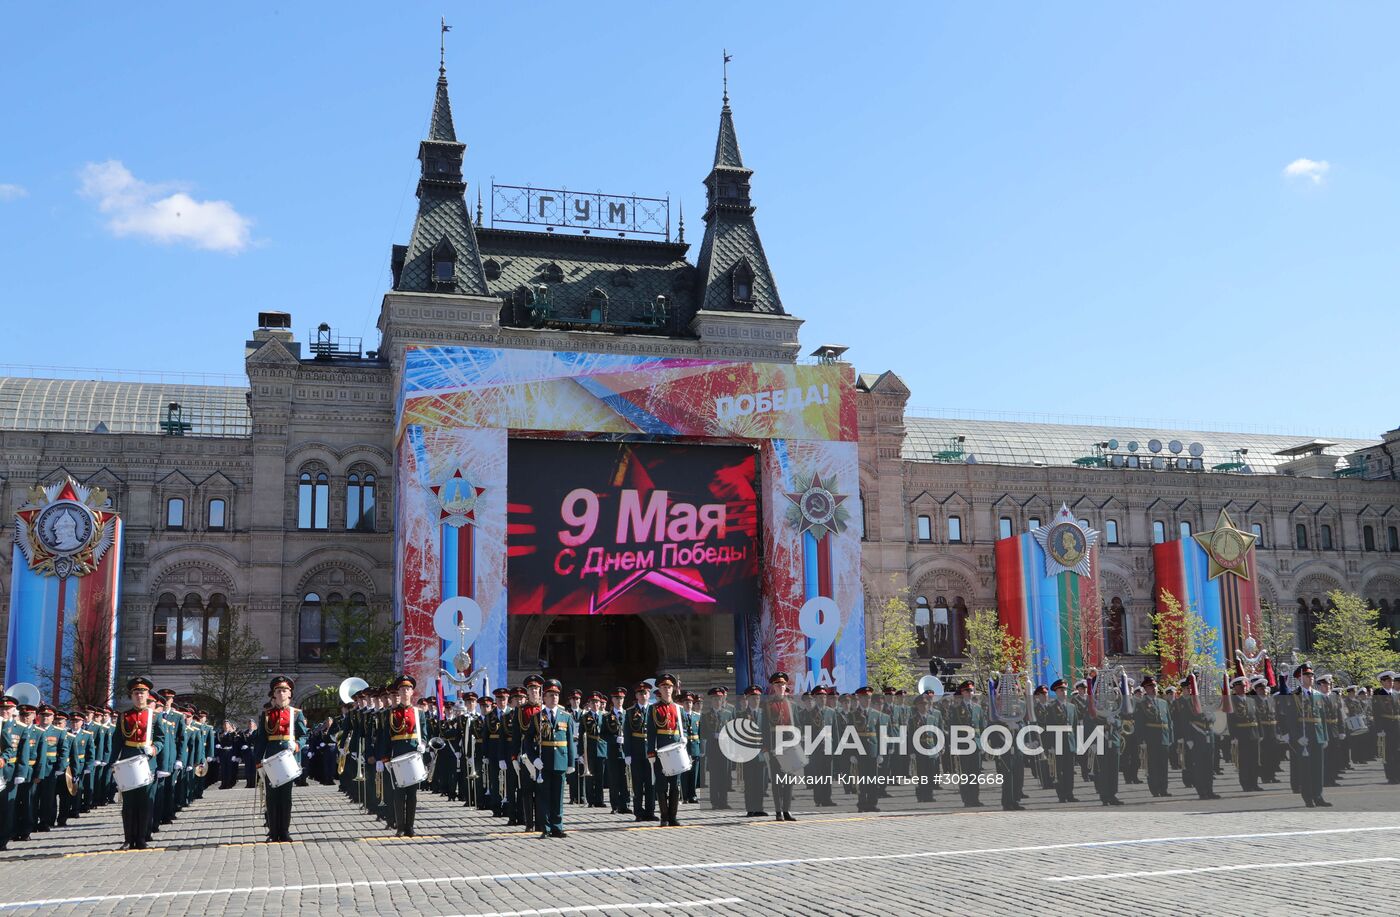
x: 1012, y: 702
x: 931, y: 683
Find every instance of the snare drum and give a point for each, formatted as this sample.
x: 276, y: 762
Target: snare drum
x: 408, y: 770
x: 132, y: 773
x: 791, y: 760
x: 281, y: 768
x: 675, y: 760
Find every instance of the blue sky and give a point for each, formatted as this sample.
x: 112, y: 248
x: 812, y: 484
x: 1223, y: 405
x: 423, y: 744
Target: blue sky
x: 1078, y: 209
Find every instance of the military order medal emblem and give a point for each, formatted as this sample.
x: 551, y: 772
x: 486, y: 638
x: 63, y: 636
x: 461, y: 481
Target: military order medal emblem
x: 1067, y: 543
x: 60, y: 533
x: 457, y: 496
x: 817, y: 508
x: 1227, y: 547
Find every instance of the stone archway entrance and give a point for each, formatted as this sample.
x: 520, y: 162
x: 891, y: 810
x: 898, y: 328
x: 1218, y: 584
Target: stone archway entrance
x: 598, y: 652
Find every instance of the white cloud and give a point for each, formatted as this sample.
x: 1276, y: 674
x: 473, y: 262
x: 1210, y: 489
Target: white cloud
x: 12, y: 192
x: 1311, y: 170
x: 162, y: 212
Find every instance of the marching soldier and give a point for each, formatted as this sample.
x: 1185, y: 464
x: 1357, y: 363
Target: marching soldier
x: 1152, y: 727
x: 485, y: 767
x: 694, y: 747
x: 594, y: 755
x: 634, y: 750
x: 142, y: 733
x: 717, y: 765
x: 11, y: 738
x: 576, y: 783
x: 926, y: 765
x: 1304, y: 719
x: 553, y: 744
x: 498, y: 756
x: 46, y: 774
x: 1266, y: 718
x: 524, y: 751
x: 26, y: 767
x: 1200, y: 746
x: 752, y: 771
x: 1335, y: 760
x: 1106, y: 765
x: 965, y: 712
x: 1244, y: 731
x: 1009, y: 764
x: 79, y: 762
x: 665, y: 726
x: 615, y: 739
x: 281, y: 727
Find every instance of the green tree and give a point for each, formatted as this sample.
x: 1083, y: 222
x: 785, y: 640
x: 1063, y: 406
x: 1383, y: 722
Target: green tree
x: 991, y: 649
x: 887, y: 655
x: 1180, y: 637
x: 232, y: 679
x: 1349, y: 639
x: 82, y: 670
x: 1277, y: 633
x: 364, y: 641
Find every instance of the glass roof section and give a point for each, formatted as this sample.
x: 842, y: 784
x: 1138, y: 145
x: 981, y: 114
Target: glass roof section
x: 91, y: 406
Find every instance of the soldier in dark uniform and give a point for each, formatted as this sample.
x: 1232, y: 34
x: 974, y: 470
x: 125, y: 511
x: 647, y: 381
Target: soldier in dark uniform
x: 926, y: 764
x: 1200, y: 746
x: 141, y: 733
x: 486, y: 773
x: 523, y: 750
x: 575, y: 780
x: 1385, y: 723
x: 715, y: 717
x: 1304, y: 718
x: 1152, y: 727
x: 665, y: 726
x: 1243, y: 718
x: 11, y: 737
x: 227, y: 746
x: 594, y: 753
x: 778, y: 717
x: 499, y: 776
x: 1106, y: 766
x: 1061, y: 711
x: 280, y: 728
x: 754, y: 774
x: 693, y: 746
x: 965, y: 712
x: 634, y: 750
x: 870, y: 721
x: 615, y: 738
x: 552, y: 740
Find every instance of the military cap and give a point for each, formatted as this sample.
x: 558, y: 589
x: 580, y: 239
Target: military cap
x: 137, y: 681
x: 279, y: 681
x: 669, y: 679
x: 596, y: 695
x: 1148, y: 680
x: 716, y: 692
x: 864, y: 690
x: 1039, y: 690
x: 619, y: 691
x: 501, y: 690
x: 1239, y: 680
x: 470, y: 695
x: 1324, y: 677
x: 641, y: 686
x: 8, y: 701
x: 777, y: 677
x: 553, y: 684
x: 1081, y: 683
x: 80, y: 714
x: 404, y: 681
x: 1057, y: 684
x: 46, y: 708
x: 1303, y: 669
x: 517, y: 691
x: 1258, y: 680
x: 1386, y: 674
x: 59, y: 715
x: 533, y: 680
x: 964, y: 685
x: 887, y: 691
x: 27, y: 708
x: 753, y: 689
x: 576, y: 693
x: 167, y: 692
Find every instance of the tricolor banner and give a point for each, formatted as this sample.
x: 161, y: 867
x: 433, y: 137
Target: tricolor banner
x: 1045, y: 601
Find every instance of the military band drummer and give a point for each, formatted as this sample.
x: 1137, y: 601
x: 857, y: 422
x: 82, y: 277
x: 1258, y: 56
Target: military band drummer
x: 280, y: 728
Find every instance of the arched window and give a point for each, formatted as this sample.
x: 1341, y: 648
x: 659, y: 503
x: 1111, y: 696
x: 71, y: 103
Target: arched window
x: 1368, y: 538
x: 309, y: 627
x: 596, y: 306
x: 359, y: 501
x: 1116, y: 633
x: 215, y: 638
x: 1392, y: 538
x: 1324, y: 538
x: 191, y: 629
x: 921, y: 627
x: 1185, y: 529
x: 743, y: 282
x: 1032, y: 523
x: 1004, y: 527
x: 925, y: 526
x: 313, y: 496
x: 1159, y: 531
x: 175, y: 513
x: 1258, y: 531
x: 187, y: 631
x: 216, y: 515
x: 954, y: 530
x: 165, y: 630
x: 1110, y: 531
x: 1300, y: 536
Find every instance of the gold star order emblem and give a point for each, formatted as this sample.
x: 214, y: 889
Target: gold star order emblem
x: 457, y: 499
x: 816, y: 507
x: 1227, y: 547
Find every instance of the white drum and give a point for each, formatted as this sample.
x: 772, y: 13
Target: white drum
x: 675, y: 760
x: 281, y: 768
x: 408, y: 769
x: 791, y: 760
x: 1356, y: 725
x: 132, y: 773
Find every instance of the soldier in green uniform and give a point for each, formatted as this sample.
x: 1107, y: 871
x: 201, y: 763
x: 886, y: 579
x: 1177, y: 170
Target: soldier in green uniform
x: 615, y: 738
x: 871, y: 725
x: 11, y: 737
x: 716, y: 716
x: 1303, y: 716
x: 552, y: 741
x: 1267, y: 720
x: 1200, y: 746
x: 1152, y: 727
x: 1062, y: 712
x: 693, y: 746
x: 62, y: 768
x: 25, y: 766
x: 1107, y: 761
x: 778, y: 716
x: 1243, y: 719
x: 141, y: 733
x: 815, y: 718
x: 79, y: 761
x: 281, y: 727
x: 926, y: 764
x: 753, y: 771
x: 46, y: 773
x: 1385, y: 724
x: 592, y: 751
x: 1010, y: 765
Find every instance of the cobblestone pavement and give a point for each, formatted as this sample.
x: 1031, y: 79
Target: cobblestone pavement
x: 1244, y: 854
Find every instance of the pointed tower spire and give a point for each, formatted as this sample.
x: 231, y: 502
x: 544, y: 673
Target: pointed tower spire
x: 441, y: 255
x: 680, y: 236
x: 733, y: 269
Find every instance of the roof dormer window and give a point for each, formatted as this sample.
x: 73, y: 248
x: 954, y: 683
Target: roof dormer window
x: 743, y: 283
x: 552, y: 273
x: 444, y: 264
